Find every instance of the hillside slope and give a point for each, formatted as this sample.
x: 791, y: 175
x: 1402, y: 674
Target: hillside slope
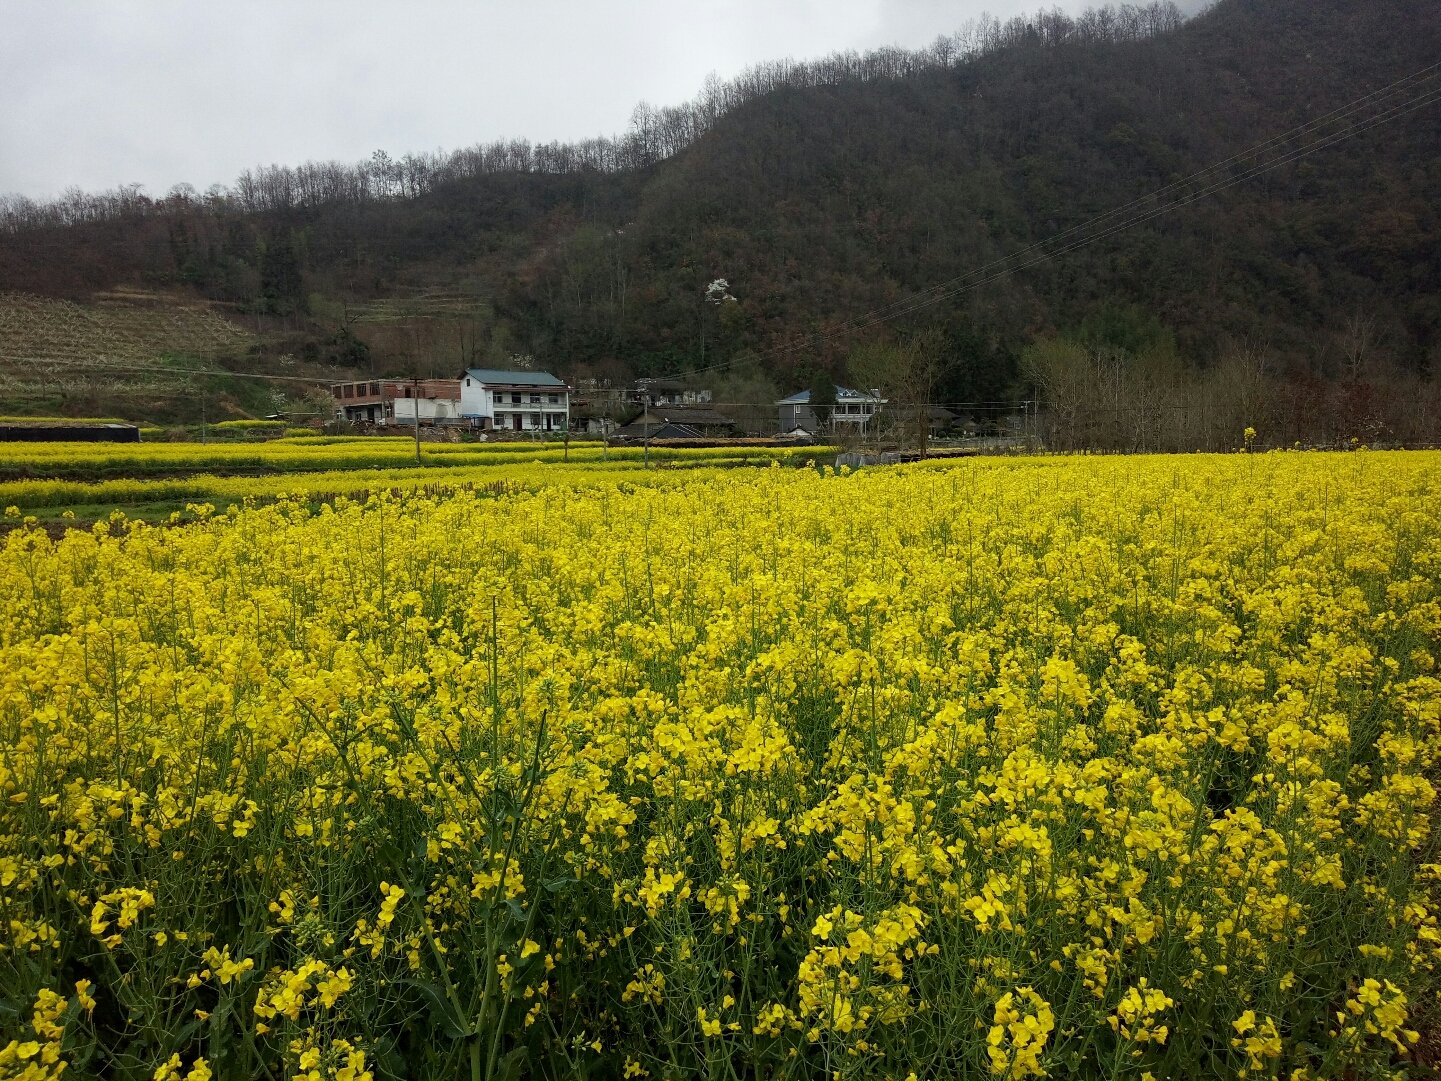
x: 159, y: 358
x: 821, y: 202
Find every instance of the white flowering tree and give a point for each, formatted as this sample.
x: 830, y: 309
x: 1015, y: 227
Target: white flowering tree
x: 717, y: 294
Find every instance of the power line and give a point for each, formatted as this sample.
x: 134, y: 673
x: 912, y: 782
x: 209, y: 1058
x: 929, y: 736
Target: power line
x: 935, y: 295
x: 1424, y: 75
x: 962, y: 283
x: 1005, y: 265
x: 1391, y: 114
x: 100, y: 364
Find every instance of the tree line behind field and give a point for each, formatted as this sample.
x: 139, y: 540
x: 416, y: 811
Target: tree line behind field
x: 654, y: 133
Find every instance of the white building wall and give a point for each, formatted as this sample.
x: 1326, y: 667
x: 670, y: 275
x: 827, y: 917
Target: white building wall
x: 532, y: 418
x: 476, y: 399
x: 483, y: 402
x: 431, y: 410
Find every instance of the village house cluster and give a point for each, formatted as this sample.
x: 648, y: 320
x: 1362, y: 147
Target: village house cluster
x: 483, y: 398
x: 537, y: 402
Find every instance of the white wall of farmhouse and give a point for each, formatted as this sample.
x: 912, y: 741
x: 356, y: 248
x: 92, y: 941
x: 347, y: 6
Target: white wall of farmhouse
x: 431, y: 410
x: 518, y: 407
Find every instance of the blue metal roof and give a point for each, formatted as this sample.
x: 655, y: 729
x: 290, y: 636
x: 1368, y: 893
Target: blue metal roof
x: 513, y: 379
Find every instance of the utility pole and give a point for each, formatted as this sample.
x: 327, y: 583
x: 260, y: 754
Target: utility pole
x: 646, y: 424
x: 204, y: 393
x: 415, y: 405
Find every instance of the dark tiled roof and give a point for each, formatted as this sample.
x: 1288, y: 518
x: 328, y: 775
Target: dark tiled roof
x: 689, y: 414
x: 514, y: 379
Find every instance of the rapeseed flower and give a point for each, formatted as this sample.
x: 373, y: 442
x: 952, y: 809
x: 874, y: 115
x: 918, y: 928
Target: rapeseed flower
x: 1032, y: 767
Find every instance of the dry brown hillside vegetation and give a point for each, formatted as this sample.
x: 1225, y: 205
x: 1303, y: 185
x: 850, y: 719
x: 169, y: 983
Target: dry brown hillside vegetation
x: 133, y: 354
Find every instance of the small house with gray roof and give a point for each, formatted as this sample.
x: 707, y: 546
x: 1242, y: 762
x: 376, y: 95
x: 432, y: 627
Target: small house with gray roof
x: 518, y: 401
x: 854, y: 408
x: 678, y: 422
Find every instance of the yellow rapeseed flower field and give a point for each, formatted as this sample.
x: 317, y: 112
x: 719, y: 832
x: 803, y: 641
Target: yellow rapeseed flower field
x: 1070, y: 768
x: 302, y: 454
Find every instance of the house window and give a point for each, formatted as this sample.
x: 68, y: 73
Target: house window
x: 467, y: 382
x: 375, y: 388
x: 555, y: 399
x: 349, y: 390
x: 515, y: 399
x: 535, y: 399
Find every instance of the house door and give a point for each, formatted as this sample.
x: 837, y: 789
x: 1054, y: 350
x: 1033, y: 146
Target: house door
x: 517, y: 422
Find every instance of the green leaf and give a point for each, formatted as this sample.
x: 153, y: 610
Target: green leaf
x: 510, y: 1066
x: 442, y: 1011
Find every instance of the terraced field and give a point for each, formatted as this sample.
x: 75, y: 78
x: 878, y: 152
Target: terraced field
x: 138, y: 355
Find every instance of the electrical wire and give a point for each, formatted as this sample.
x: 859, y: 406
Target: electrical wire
x: 916, y: 305
x: 969, y: 281
x: 1039, y: 251
x: 101, y: 364
x: 1424, y: 75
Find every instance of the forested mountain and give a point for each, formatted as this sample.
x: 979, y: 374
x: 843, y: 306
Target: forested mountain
x: 825, y: 190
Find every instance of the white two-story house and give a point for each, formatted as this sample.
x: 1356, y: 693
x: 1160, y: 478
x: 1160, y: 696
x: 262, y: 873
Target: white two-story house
x: 514, y: 401
x: 852, y: 407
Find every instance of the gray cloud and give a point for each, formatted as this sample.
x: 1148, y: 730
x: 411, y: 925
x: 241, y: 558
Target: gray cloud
x: 97, y: 93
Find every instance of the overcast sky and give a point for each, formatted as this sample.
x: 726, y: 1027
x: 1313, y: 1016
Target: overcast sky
x: 96, y: 93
